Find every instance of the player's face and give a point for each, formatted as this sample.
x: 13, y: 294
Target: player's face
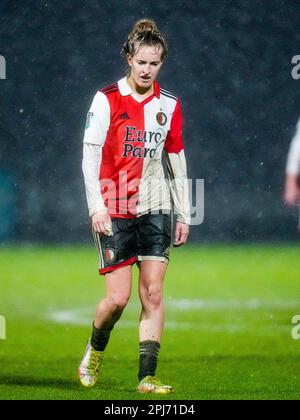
x: 145, y: 65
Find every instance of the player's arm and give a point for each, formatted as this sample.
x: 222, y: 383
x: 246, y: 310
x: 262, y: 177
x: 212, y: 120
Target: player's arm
x: 176, y: 164
x: 177, y: 171
x: 94, y: 139
x: 292, y: 189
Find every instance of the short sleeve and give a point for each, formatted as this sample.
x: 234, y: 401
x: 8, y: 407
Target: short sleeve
x: 97, y: 121
x: 174, y: 140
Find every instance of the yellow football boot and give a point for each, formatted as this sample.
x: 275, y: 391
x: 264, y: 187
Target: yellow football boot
x: 90, y: 365
x: 152, y: 384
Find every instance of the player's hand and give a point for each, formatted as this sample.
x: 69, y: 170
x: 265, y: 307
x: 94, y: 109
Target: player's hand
x: 102, y: 224
x: 291, y: 191
x: 181, y: 233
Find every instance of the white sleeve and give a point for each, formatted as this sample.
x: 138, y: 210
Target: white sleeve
x: 293, y: 161
x: 176, y: 164
x: 98, y: 120
x: 92, y: 155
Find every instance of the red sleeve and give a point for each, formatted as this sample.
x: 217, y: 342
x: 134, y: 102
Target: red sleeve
x: 174, y: 140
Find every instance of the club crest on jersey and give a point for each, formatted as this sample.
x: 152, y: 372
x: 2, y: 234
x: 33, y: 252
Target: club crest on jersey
x: 109, y: 255
x: 161, y: 118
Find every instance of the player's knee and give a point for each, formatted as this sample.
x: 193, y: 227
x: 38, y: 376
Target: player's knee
x: 118, y: 302
x: 154, y: 296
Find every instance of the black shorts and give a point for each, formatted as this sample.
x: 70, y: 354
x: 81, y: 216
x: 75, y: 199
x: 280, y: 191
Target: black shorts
x: 147, y: 237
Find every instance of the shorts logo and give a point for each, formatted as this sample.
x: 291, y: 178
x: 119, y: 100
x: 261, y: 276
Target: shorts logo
x: 161, y: 118
x: 109, y: 255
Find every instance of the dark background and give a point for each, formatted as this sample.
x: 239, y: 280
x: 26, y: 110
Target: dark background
x: 229, y: 62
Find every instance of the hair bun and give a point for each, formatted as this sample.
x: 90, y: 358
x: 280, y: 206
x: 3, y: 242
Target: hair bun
x: 144, y: 32
x: 145, y: 25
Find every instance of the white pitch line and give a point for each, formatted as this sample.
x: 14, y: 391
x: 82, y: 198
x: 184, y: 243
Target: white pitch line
x: 83, y: 316
x: 69, y: 317
x: 230, y: 304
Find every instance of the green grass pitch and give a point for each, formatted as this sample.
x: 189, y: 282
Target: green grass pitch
x: 227, y: 333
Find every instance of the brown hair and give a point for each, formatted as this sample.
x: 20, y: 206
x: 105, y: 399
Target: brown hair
x: 144, y: 32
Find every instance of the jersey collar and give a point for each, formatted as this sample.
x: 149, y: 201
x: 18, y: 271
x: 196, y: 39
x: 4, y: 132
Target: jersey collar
x: 126, y: 90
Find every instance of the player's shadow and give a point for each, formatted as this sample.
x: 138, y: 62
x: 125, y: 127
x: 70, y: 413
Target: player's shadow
x: 34, y: 381
x: 66, y: 384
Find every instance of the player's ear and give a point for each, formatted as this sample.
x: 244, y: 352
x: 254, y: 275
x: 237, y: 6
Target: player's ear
x: 129, y: 60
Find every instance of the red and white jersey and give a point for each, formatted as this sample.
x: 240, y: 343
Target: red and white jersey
x: 132, y: 136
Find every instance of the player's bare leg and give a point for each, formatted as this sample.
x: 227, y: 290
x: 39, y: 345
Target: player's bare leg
x: 151, y: 279
x: 109, y: 310
x: 118, y: 289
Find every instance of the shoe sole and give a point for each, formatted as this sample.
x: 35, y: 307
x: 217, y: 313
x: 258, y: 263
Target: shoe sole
x: 84, y: 383
x: 145, y: 390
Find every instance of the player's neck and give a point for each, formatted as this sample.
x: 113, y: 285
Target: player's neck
x: 140, y: 91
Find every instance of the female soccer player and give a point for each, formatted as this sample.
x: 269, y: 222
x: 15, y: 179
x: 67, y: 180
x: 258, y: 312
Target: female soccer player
x: 129, y: 125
